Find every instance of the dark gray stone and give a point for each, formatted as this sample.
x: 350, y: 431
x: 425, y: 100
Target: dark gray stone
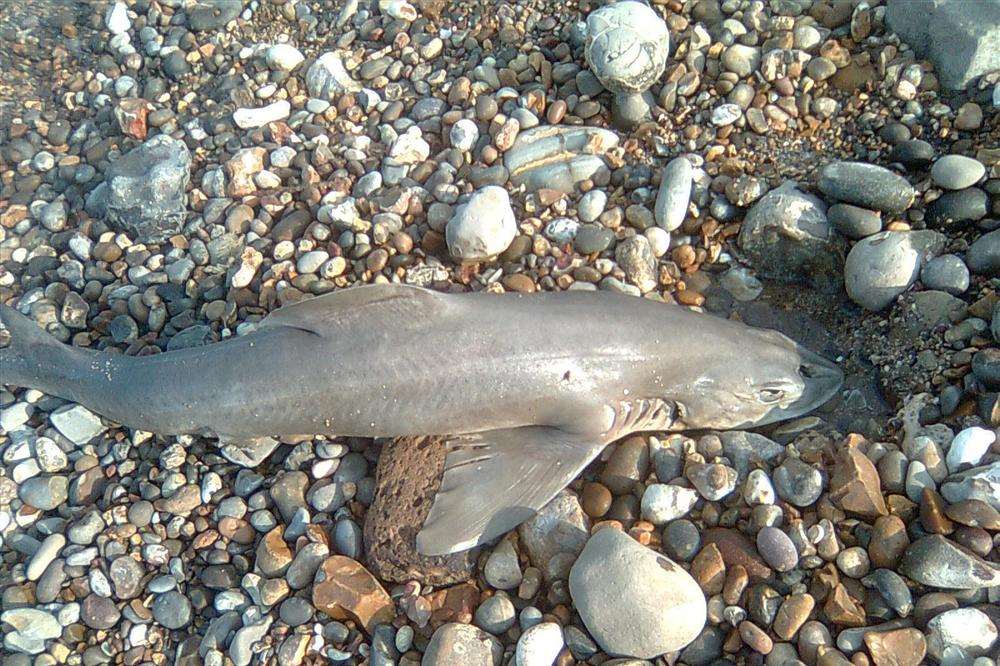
x: 866, y: 185
x: 958, y: 206
x: 213, y: 14
x: 983, y: 257
x: 853, y: 221
x: 787, y: 237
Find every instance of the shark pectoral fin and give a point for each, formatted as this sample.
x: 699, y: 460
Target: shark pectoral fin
x: 495, y: 480
x: 247, y: 452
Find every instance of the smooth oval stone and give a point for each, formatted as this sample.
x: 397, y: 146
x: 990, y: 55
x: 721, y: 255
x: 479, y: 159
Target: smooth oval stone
x: 938, y: 562
x: 946, y: 273
x: 881, y: 267
x: 957, y: 172
x: 634, y: 601
x: 674, y: 194
x: 866, y: 185
x: 958, y: 206
x: 983, y: 256
x: 913, y: 153
x: 853, y: 221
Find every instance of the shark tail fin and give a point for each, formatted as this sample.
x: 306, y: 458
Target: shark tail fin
x: 32, y: 353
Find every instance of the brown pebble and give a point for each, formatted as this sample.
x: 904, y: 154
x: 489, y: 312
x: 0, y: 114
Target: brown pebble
x: 737, y: 549
x: 792, y: 614
x: 842, y: 610
x: 595, y: 499
x: 755, y: 637
x: 974, y: 513
x: 556, y: 112
x: 709, y: 569
x: 900, y: 647
x: 736, y: 582
x: 855, y: 486
x: 518, y: 282
x: 932, y: 513
x: 888, y: 541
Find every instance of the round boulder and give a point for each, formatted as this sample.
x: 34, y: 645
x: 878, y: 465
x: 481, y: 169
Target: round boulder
x: 634, y: 601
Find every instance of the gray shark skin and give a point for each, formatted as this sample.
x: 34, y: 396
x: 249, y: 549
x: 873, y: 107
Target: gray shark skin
x: 529, y: 388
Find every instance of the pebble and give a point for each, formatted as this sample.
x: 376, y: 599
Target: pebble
x: 968, y: 448
x: 866, y: 185
x: 663, y: 503
x: 854, y: 222
x: 621, y: 70
x: 634, y: 601
x: 798, y: 483
x: 44, y: 493
x: 947, y: 273
x: 31, y: 628
x: 786, y: 236
x: 502, y: 570
x: 636, y: 258
x: 777, y: 549
x: 881, y: 267
x: 482, y: 227
x: 172, y: 610
x: 957, y: 172
x: 983, y: 256
x: 43, y: 557
x: 496, y: 615
x: 958, y: 206
x: 327, y: 77
x: 76, y: 423
x: 248, y: 118
x: 936, y: 561
x: 464, y: 134
x: 455, y: 644
x: 968, y: 629
x: 283, y: 57
x: 539, y: 645
x: 674, y: 194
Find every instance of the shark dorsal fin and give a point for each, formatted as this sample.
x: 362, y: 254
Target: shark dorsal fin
x: 405, y: 304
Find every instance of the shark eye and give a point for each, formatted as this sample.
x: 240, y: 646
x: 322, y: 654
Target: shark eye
x: 770, y: 395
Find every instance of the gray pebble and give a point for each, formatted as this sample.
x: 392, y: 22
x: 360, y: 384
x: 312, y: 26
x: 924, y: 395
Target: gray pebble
x: 777, y: 549
x: 496, y: 615
x: 172, y: 610
x: 946, y: 273
x: 956, y: 172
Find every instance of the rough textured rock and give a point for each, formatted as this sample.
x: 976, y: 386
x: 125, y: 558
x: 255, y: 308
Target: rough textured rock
x: 855, y: 485
x: 455, y: 644
x: 145, y: 195
x: 634, y: 601
x: 408, y: 476
x: 787, y: 237
x: 327, y: 77
x: 627, y: 46
x: 938, y: 562
x: 961, y: 37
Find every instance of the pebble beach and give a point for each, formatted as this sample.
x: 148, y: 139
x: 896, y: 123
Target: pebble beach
x: 171, y: 171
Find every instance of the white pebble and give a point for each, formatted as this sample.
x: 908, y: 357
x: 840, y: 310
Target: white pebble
x: 464, y: 134
x: 539, y: 645
x: 662, y: 502
x: 116, y: 20
x: 247, y: 118
x: 283, y: 57
x: 758, y: 488
x: 725, y: 114
x: 969, y: 447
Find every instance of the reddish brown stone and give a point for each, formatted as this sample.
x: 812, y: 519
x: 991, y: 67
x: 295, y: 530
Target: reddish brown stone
x: 454, y: 604
x: 900, y: 647
x: 709, y: 569
x: 736, y: 549
x: 345, y: 590
x: 888, y: 542
x: 842, y: 609
x: 855, y: 486
x: 131, y: 116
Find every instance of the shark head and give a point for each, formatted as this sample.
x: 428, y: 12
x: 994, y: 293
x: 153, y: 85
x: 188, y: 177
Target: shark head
x: 758, y: 377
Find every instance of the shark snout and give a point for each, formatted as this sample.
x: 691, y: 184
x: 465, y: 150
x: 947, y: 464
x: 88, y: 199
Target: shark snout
x: 820, y: 378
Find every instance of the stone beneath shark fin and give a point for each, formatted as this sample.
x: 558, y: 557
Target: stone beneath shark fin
x: 338, y: 309
x: 497, y: 479
x: 247, y: 452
